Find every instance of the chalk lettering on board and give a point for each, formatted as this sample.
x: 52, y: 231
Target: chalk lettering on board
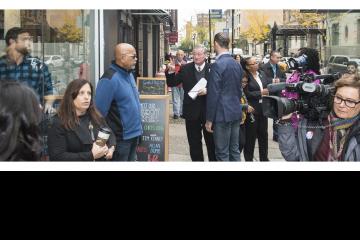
x: 152, y: 87
x: 154, y: 121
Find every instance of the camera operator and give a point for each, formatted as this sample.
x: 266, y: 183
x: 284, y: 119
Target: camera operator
x: 254, y: 91
x: 307, y: 62
x: 334, y: 138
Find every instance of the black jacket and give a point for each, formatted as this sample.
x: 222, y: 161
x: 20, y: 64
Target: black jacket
x: 73, y: 145
x: 192, y: 109
x: 253, y: 93
x: 269, y: 73
x: 297, y: 147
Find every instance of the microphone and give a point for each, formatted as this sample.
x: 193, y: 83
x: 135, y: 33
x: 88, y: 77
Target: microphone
x: 328, y: 78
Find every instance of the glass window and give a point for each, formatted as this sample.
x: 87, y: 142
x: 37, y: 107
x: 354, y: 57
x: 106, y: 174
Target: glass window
x: 346, y: 33
x: 358, y: 31
x: 61, y: 39
x: 2, y: 24
x: 335, y: 34
x: 340, y: 60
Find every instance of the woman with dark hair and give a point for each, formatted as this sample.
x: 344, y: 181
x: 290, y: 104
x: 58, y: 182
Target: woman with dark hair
x: 247, y: 111
x: 76, y: 126
x: 335, y: 138
x: 237, y: 57
x: 311, y: 65
x: 20, y: 116
x: 258, y: 128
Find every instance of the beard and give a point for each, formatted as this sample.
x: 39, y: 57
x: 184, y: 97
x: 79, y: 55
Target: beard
x: 24, y: 51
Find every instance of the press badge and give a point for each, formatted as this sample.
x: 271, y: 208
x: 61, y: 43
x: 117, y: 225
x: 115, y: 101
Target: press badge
x: 309, y: 135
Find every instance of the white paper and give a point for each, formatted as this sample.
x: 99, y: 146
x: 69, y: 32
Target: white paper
x: 200, y: 85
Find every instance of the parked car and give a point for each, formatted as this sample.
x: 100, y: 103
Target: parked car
x: 338, y: 63
x: 54, y: 61
x: 76, y: 61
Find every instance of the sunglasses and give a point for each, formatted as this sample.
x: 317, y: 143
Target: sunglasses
x: 132, y: 56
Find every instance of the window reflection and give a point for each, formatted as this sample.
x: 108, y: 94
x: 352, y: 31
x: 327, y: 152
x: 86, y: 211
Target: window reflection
x: 60, y: 38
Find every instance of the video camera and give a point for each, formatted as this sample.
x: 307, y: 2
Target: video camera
x: 296, y: 63
x: 314, y: 99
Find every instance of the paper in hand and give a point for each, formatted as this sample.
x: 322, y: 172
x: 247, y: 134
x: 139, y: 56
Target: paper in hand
x: 200, y: 85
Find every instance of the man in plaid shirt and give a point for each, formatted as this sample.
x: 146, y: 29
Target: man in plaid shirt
x: 18, y: 65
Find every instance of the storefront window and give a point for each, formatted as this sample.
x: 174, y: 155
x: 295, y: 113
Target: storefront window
x: 61, y: 39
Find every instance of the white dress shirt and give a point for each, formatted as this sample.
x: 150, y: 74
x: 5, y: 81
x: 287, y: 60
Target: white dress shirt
x: 201, y: 67
x: 258, y: 80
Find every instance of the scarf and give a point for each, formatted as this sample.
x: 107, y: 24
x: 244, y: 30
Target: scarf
x: 338, y: 133
x: 335, y: 135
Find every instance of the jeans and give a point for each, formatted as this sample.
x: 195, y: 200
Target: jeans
x: 226, y: 138
x: 126, y: 150
x: 177, y: 100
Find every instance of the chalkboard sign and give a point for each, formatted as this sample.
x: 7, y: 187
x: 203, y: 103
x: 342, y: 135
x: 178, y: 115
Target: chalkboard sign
x: 155, y: 121
x: 152, y: 86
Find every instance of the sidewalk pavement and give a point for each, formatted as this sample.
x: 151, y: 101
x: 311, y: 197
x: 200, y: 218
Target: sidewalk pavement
x: 179, y: 147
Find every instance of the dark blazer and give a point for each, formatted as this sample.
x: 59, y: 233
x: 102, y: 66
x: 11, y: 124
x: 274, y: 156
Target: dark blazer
x: 269, y: 73
x: 224, y: 90
x: 73, y: 145
x: 192, y: 109
x: 253, y: 93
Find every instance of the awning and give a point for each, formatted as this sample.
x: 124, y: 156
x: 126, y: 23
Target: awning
x: 330, y: 10
x: 160, y: 14
x: 295, y: 30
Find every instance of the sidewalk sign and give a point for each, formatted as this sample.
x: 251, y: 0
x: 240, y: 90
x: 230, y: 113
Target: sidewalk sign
x: 151, y: 86
x: 154, y: 144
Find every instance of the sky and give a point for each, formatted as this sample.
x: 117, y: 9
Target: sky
x: 184, y: 15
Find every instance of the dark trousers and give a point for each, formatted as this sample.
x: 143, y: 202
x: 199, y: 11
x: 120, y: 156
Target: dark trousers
x: 275, y: 131
x: 126, y: 150
x: 259, y: 130
x: 194, y: 136
x: 242, y: 137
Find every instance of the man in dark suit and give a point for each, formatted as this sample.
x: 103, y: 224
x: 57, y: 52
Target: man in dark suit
x: 194, y: 110
x: 223, y: 110
x: 274, y: 74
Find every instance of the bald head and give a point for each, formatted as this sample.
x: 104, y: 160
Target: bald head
x: 125, y: 56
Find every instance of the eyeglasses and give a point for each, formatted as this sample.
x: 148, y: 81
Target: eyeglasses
x: 348, y: 103
x: 132, y: 56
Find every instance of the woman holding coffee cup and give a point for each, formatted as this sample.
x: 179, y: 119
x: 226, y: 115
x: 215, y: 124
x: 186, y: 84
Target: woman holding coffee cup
x: 79, y: 132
